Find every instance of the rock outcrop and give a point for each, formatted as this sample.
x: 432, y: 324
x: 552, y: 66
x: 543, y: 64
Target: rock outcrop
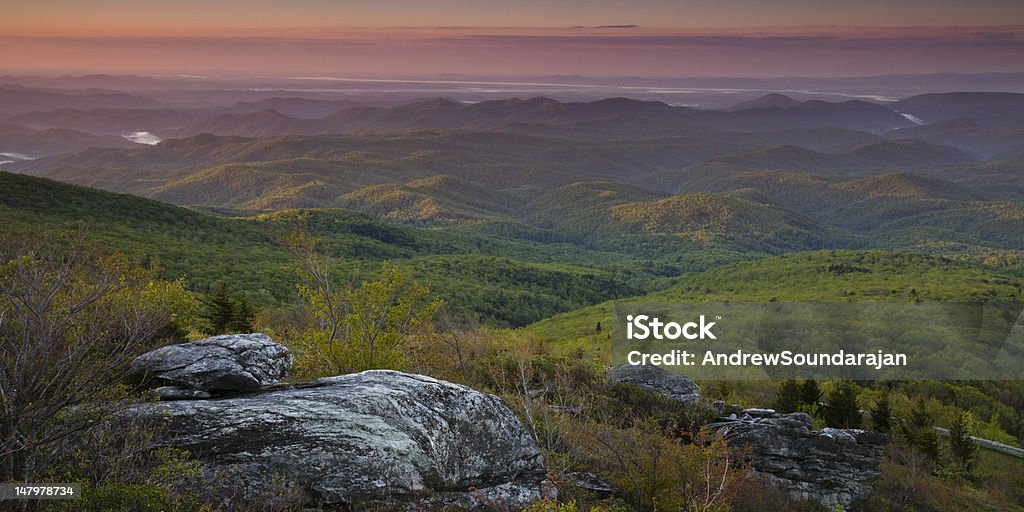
x: 380, y: 438
x: 831, y: 466
x: 655, y: 379
x: 233, y: 362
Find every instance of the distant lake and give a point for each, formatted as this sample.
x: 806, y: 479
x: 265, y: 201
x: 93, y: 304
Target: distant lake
x: 142, y: 138
x: 10, y: 158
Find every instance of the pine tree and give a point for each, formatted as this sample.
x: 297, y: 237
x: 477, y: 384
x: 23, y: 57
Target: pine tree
x: 928, y: 443
x: 220, y: 309
x: 881, y: 414
x: 226, y: 313
x: 842, y: 411
x: 810, y: 394
x: 919, y: 431
x: 788, y: 397
x: 241, y: 319
x: 961, y: 446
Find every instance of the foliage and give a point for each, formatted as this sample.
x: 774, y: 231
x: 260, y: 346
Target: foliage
x: 881, y: 414
x: 71, y: 318
x: 841, y: 409
x: 130, y: 498
x: 374, y: 325
x: 961, y: 446
x: 227, y: 313
x: 789, y: 398
x: 919, y: 432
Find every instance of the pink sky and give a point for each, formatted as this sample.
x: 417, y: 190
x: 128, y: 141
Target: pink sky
x: 531, y: 37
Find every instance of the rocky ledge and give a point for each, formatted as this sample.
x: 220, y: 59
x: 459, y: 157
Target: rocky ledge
x: 233, y: 362
x: 655, y: 379
x: 379, y: 438
x: 831, y: 466
x: 376, y: 437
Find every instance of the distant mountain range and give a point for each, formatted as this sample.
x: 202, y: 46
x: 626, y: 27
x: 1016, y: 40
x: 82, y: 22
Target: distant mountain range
x: 443, y: 114
x: 996, y: 118
x: 769, y: 175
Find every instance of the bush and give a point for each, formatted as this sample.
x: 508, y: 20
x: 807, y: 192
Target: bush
x: 74, y: 317
x: 130, y: 498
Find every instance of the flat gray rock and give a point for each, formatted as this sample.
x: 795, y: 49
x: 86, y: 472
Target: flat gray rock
x: 373, y: 438
x: 654, y: 379
x: 232, y: 362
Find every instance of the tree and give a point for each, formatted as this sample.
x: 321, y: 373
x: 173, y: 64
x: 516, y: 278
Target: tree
x: 961, y: 446
x: 71, y: 319
x: 226, y: 312
x: 810, y: 394
x: 386, y: 313
x: 920, y: 432
x: 841, y: 410
x: 328, y: 299
x: 358, y: 328
x: 881, y: 414
x: 242, y: 318
x: 788, y: 396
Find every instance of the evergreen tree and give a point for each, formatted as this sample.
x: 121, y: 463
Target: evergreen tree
x: 788, y: 397
x: 961, y: 446
x: 241, y: 319
x: 920, y: 433
x: 881, y: 414
x: 842, y: 411
x: 928, y: 443
x: 810, y: 394
x: 219, y: 309
x: 226, y: 313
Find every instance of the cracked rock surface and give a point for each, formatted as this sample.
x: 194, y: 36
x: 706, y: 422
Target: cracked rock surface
x: 831, y: 466
x: 654, y: 379
x: 232, y: 362
x: 378, y: 437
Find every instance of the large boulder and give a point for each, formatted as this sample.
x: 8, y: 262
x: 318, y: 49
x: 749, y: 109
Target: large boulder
x: 380, y: 438
x: 233, y: 362
x: 832, y: 466
x: 655, y: 379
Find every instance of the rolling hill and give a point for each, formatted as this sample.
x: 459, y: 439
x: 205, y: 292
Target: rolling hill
x: 438, y: 199
x: 767, y: 101
x: 303, y: 116
x: 15, y: 99
x: 968, y: 136
x: 990, y: 109
x: 16, y: 138
x: 827, y: 275
x: 524, y: 285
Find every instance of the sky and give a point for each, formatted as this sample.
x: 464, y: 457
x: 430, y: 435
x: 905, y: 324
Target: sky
x: 656, y: 38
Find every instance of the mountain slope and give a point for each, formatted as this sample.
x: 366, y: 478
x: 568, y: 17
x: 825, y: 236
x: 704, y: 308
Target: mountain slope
x: 438, y: 199
x: 15, y: 138
x: 769, y: 100
x: 17, y: 99
x: 827, y: 275
x: 968, y: 136
x: 506, y: 283
x: 990, y: 109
